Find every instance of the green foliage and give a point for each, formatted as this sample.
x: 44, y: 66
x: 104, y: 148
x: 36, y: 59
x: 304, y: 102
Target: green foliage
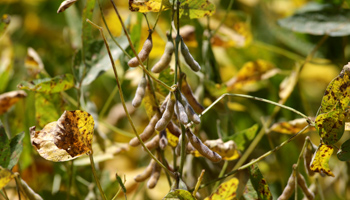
x: 49, y: 85
x: 259, y: 183
x: 344, y: 152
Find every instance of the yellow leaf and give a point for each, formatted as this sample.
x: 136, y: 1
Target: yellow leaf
x: 7, y: 100
x: 320, y: 160
x: 148, y: 6
x: 66, y: 139
x: 226, y: 190
x: 226, y: 150
x: 172, y: 139
x: 5, y: 177
x: 291, y: 127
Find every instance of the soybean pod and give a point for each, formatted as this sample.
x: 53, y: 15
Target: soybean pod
x: 140, y: 92
x: 302, y: 184
x: 163, y: 141
x: 153, y: 143
x: 189, y: 111
x: 307, y: 160
x: 147, y: 132
x: 181, y: 113
x: 152, y: 182
x: 166, y: 57
x: 289, y: 189
x: 145, y: 174
x: 187, y: 92
x: 201, y: 148
x: 190, y: 61
x: 173, y: 129
x: 167, y: 115
x: 144, y: 53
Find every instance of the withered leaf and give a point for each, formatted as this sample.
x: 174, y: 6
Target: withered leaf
x: 291, y: 127
x: 7, y: 100
x: 320, y: 160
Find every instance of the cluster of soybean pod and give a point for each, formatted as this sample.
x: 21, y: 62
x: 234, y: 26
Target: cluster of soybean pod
x: 182, y: 108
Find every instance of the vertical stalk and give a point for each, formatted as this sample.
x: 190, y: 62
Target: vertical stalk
x: 95, y: 176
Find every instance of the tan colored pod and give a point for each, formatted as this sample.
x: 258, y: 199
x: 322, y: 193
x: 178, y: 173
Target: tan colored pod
x: 173, y: 129
x: 201, y: 148
x: 167, y: 115
x: 154, y: 143
x: 163, y: 141
x: 187, y: 92
x: 147, y: 132
x: 189, y: 111
x: 152, y: 182
x: 302, y: 184
x: 166, y: 57
x: 144, y: 53
x: 181, y: 113
x: 140, y: 92
x: 191, y: 62
x: 145, y: 174
x: 307, y: 160
x: 289, y: 189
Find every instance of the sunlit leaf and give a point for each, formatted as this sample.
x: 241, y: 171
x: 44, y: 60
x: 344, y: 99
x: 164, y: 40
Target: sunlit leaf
x: 49, y: 85
x: 4, y: 22
x: 172, y: 139
x: 6, y: 61
x: 291, y: 127
x: 226, y: 150
x: 33, y: 62
x: 337, y: 92
x: 179, y: 194
x: 320, y: 160
x: 250, y: 74
x: 319, y: 19
x: 7, y: 100
x: 149, y: 103
x: 330, y: 126
x: 226, y: 190
x: 5, y: 177
x: 66, y: 139
x: 344, y: 152
x: 259, y: 183
x: 47, y: 108
x: 16, y: 145
x: 5, y: 150
x: 167, y: 76
x: 243, y: 138
x: 148, y: 5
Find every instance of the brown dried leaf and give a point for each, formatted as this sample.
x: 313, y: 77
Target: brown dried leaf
x: 291, y: 127
x: 7, y: 100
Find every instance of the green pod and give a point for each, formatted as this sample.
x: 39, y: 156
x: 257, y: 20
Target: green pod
x: 140, y: 92
x: 190, y: 61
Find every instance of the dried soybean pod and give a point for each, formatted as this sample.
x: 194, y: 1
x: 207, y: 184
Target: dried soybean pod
x: 166, y: 57
x: 307, y: 160
x: 189, y: 111
x: 289, y: 189
x: 163, y: 141
x: 145, y: 51
x: 152, y: 182
x: 173, y: 129
x: 147, y: 132
x: 187, y: 92
x: 188, y: 57
x: 201, y: 148
x: 153, y: 143
x: 181, y: 113
x: 140, y: 92
x: 145, y: 174
x: 302, y: 184
x: 167, y: 115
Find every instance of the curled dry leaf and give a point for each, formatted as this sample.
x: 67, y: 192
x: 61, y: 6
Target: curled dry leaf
x: 66, y: 139
x: 7, y: 100
x: 65, y: 4
x: 292, y: 127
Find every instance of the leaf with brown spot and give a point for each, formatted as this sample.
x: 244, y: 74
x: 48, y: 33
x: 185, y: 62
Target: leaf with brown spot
x: 259, y: 183
x: 320, y: 160
x: 148, y: 6
x: 179, y: 194
x: 330, y: 126
x: 8, y: 99
x: 66, y: 139
x: 226, y: 150
x: 5, y: 177
x: 226, y: 190
x: 291, y: 127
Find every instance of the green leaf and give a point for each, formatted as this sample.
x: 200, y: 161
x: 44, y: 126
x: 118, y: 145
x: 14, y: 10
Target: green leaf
x: 48, y: 108
x: 196, y: 8
x: 49, y: 85
x: 87, y: 28
x: 16, y: 146
x: 249, y: 192
x: 319, y: 19
x: 4, y: 22
x: 330, y: 126
x: 344, y: 152
x: 167, y: 76
x: 243, y: 138
x: 259, y: 183
x: 337, y: 92
x: 5, y: 150
x: 179, y: 194
x: 214, y: 89
x: 136, y: 31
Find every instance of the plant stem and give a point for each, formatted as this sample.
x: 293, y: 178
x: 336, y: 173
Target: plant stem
x: 108, y: 102
x: 136, y: 54
x: 222, y: 172
x: 123, y: 101
x: 95, y: 176
x: 199, y: 180
x: 116, y: 129
x: 5, y: 194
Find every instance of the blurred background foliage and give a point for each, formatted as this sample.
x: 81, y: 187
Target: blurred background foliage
x: 250, y: 34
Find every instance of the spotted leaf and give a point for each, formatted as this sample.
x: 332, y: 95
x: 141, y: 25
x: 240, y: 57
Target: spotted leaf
x: 330, y: 126
x: 226, y: 190
x: 8, y: 99
x: 5, y: 177
x: 259, y: 183
x: 49, y: 85
x: 320, y: 160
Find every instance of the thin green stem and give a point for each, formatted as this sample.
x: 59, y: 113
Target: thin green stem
x: 5, y: 194
x: 258, y: 159
x: 224, y: 18
x: 199, y: 181
x: 95, y: 176
x: 136, y: 54
x: 123, y: 101
x: 116, y: 129
x: 222, y: 172
x: 108, y: 102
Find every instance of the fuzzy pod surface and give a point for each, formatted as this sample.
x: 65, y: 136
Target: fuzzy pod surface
x: 140, y: 92
x: 166, y: 57
x: 190, y: 61
x: 144, y: 53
